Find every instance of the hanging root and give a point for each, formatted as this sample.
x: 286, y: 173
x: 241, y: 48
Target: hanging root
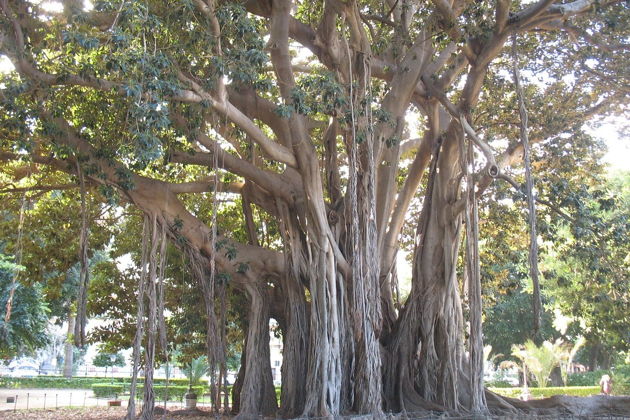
x: 131, y: 407
x: 150, y: 292
x: 160, y: 291
x: 81, y: 318
x: 475, y: 362
x: 531, y: 204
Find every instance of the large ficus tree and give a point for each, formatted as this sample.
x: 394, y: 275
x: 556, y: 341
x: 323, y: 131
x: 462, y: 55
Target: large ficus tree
x: 302, y: 110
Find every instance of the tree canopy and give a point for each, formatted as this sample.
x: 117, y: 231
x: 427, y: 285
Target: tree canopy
x: 285, y: 149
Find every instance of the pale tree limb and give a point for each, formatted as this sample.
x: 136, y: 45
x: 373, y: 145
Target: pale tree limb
x: 518, y: 188
x: 501, y: 15
x: 6, y: 189
x: 197, y: 94
x: 275, y: 150
x: 205, y: 186
x: 533, y: 240
x: 492, y: 167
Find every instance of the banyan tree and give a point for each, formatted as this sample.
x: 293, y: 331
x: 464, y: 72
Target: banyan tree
x: 332, y: 118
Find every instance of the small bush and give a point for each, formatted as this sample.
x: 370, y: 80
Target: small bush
x: 172, y: 393
x: 586, y: 378
x: 576, y: 391
x: 498, y: 383
x: 108, y: 390
x: 621, y: 380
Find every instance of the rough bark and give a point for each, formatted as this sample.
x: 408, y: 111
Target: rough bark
x: 295, y: 328
x: 238, y: 383
x: 257, y: 396
x: 426, y: 353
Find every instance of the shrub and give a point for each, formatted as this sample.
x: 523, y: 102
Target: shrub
x: 576, y: 391
x: 107, y: 390
x: 172, y: 393
x: 621, y: 380
x: 498, y: 383
x: 586, y: 378
x: 59, y: 382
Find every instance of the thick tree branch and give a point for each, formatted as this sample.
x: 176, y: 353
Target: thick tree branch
x: 205, y: 186
x: 5, y: 189
x: 274, y: 150
x: 501, y: 15
x: 267, y: 180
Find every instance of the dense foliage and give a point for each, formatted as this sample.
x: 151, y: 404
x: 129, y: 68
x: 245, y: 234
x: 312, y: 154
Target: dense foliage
x: 26, y: 329
x: 286, y: 150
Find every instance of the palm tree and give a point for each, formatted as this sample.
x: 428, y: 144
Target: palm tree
x: 195, y: 370
x: 539, y: 360
x: 566, y: 352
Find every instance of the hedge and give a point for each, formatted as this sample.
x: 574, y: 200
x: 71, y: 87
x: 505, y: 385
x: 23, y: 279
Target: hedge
x: 107, y: 390
x: 60, y: 382
x: 175, y: 392
x: 49, y: 382
x: 576, y: 391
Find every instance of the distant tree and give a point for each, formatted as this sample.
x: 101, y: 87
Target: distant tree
x: 106, y: 360
x: 508, y: 322
x: 25, y: 331
x: 566, y: 355
x: 587, y: 269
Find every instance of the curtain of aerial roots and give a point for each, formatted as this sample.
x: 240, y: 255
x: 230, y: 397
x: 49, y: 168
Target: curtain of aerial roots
x: 295, y: 329
x: 424, y: 366
x: 150, y: 316
x: 81, y: 317
x: 364, y: 290
x: 531, y: 204
x: 215, y: 345
x: 475, y: 343
x: 216, y: 290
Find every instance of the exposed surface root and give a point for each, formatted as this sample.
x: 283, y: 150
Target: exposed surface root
x: 596, y: 405
x: 413, y: 402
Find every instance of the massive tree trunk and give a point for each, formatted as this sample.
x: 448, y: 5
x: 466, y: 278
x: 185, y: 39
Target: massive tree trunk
x: 296, y: 328
x: 426, y: 352
x: 257, y: 392
x: 348, y: 344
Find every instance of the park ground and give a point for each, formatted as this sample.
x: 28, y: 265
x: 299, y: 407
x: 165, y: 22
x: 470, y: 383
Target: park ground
x: 64, y: 404
x: 89, y: 413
